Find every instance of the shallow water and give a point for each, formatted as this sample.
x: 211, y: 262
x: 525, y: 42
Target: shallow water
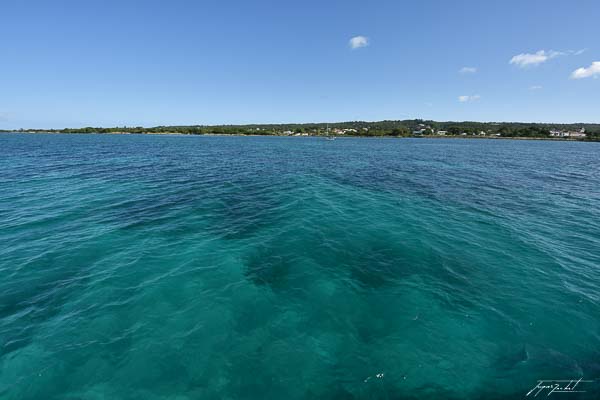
x: 174, y: 267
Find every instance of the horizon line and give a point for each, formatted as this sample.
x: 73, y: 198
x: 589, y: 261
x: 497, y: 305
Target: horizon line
x: 311, y: 123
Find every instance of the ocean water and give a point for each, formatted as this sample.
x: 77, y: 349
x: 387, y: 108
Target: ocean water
x: 179, y: 267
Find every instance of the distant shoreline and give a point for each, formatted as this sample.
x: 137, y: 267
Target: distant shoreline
x: 463, y: 137
x: 417, y: 128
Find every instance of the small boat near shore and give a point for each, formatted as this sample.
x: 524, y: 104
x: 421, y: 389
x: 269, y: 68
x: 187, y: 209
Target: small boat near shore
x: 328, y: 135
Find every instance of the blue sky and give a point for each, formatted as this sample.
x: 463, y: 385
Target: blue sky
x: 115, y: 63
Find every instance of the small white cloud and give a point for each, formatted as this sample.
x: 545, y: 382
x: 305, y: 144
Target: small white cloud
x: 466, y: 99
x: 528, y: 59
x: 536, y: 87
x: 579, y: 52
x: 552, y: 53
x: 358, y: 41
x: 468, y: 70
x: 592, y: 70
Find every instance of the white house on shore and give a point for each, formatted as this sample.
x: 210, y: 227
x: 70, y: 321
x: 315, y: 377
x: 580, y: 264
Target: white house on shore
x: 573, y: 134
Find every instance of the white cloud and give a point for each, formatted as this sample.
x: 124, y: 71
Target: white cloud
x: 531, y: 59
x: 578, y: 52
x: 468, y: 70
x: 358, y: 41
x: 535, y: 87
x: 592, y: 70
x: 465, y: 99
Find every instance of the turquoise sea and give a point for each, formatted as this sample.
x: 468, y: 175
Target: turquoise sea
x: 189, y: 267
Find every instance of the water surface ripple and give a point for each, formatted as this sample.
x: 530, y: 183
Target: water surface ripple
x: 155, y: 267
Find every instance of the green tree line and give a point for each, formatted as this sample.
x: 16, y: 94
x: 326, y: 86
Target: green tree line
x: 393, y: 128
